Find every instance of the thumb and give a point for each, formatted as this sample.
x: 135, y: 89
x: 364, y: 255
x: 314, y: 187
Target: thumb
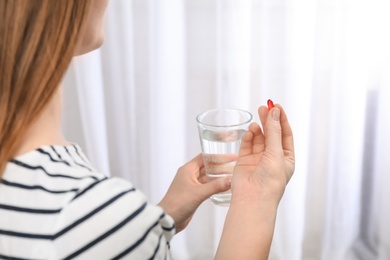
x: 273, y: 139
x: 215, y: 186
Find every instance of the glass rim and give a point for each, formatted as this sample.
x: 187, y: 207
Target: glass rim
x: 198, y: 117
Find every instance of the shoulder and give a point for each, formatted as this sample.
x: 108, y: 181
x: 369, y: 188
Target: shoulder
x: 112, y: 218
x: 96, y: 216
x: 55, y: 173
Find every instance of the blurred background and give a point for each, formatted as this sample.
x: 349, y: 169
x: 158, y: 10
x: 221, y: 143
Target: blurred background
x: 132, y: 106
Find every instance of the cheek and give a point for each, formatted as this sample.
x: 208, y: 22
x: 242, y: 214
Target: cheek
x: 90, y: 41
x: 101, y: 4
x: 96, y: 25
x: 93, y: 35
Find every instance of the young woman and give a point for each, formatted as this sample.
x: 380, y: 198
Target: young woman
x: 54, y: 205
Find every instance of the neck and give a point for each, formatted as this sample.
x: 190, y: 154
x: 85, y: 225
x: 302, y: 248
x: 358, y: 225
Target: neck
x: 46, y: 130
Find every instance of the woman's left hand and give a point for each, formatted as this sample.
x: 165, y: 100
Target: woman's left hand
x: 188, y: 190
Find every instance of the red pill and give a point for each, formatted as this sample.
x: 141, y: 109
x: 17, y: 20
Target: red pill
x: 270, y: 104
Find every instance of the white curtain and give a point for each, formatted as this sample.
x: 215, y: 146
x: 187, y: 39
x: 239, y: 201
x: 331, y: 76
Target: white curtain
x: 132, y: 106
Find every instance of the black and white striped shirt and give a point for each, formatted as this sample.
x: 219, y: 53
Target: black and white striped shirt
x: 54, y: 205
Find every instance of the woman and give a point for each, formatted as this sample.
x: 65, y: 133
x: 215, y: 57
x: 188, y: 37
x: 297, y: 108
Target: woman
x: 54, y: 205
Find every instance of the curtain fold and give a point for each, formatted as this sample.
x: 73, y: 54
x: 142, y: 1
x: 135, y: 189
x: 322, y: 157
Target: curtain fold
x: 132, y: 106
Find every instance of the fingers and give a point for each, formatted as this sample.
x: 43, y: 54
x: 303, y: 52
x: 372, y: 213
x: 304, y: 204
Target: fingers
x: 215, y: 186
x: 287, y: 134
x: 219, y: 158
x: 246, y: 147
x: 214, y: 164
x: 263, y: 112
x: 202, y: 172
x: 252, y: 141
x: 196, y: 161
x: 218, y: 169
x: 258, y: 140
x: 217, y: 164
x: 286, y: 138
x: 273, y: 130
x: 196, y: 165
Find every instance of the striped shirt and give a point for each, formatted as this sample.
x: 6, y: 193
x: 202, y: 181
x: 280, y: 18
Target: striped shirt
x: 54, y: 205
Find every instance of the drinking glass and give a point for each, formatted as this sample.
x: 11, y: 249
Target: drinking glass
x: 220, y: 133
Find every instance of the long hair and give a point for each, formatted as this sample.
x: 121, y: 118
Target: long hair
x: 37, y: 42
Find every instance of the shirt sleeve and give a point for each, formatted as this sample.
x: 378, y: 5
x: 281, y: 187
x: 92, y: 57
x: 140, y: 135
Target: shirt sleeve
x: 110, y: 219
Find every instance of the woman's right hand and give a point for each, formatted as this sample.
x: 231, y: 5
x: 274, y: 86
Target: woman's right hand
x: 265, y: 165
x: 266, y: 161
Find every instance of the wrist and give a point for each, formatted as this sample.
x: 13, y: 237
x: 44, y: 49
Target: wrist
x: 269, y: 193
x: 266, y: 209
x: 249, y: 225
x: 262, y: 200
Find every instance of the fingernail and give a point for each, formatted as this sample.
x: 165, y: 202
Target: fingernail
x: 276, y: 114
x: 228, y: 181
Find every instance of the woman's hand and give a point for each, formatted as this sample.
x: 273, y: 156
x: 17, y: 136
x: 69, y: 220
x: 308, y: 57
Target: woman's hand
x: 266, y: 162
x: 188, y: 190
x: 265, y: 165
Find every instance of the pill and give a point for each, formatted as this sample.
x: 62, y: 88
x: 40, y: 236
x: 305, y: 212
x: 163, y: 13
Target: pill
x: 270, y: 104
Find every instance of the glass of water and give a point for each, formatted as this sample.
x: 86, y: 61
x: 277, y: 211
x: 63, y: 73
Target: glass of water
x: 220, y: 133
